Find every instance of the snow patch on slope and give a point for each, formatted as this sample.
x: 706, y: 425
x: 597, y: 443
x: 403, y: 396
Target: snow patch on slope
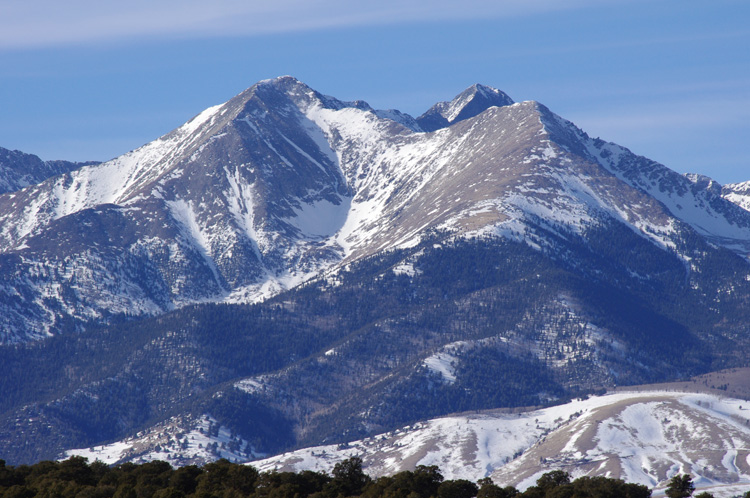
x: 737, y: 193
x: 185, y: 215
x: 443, y: 363
x: 240, y: 199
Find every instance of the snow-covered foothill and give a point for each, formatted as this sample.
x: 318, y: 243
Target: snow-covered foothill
x: 196, y: 442
x: 642, y: 437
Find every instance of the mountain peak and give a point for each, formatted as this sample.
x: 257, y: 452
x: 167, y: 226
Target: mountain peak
x: 469, y: 103
x: 488, y: 92
x: 287, y: 85
x: 301, y: 95
x: 704, y: 182
x: 283, y: 83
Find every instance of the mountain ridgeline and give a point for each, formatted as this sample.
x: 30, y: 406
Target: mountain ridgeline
x: 294, y: 270
x: 19, y: 170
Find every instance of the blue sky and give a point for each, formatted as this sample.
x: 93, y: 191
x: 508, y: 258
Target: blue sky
x: 669, y: 79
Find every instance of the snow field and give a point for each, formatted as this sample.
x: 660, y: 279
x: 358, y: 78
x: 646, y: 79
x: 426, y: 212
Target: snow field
x: 204, y: 441
x: 648, y: 436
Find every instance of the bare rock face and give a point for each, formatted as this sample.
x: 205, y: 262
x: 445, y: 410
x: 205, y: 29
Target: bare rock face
x: 469, y: 103
x: 19, y: 170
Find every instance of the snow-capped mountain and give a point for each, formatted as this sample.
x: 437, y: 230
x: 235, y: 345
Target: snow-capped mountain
x: 280, y: 183
x: 503, y: 259
x: 218, y: 209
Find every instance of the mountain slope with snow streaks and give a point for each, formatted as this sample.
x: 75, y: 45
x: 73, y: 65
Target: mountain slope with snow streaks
x: 281, y: 183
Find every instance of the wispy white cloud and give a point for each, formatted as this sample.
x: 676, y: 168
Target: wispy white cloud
x: 41, y: 23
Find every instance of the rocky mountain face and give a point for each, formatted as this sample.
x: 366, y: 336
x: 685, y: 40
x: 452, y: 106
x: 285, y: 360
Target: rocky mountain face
x: 287, y: 270
x: 469, y: 103
x: 738, y: 193
x: 19, y: 170
x: 214, y: 210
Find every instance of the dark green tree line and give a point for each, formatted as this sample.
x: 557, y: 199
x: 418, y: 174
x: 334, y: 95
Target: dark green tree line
x: 77, y: 478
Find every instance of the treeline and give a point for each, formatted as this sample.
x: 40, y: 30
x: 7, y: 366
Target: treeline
x: 75, y: 477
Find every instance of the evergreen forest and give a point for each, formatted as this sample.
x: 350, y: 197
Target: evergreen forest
x: 76, y: 477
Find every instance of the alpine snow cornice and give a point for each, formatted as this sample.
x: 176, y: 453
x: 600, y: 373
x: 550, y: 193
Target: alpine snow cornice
x: 281, y: 183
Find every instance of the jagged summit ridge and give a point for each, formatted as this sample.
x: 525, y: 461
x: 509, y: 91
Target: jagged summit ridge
x: 19, y: 170
x: 469, y: 103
